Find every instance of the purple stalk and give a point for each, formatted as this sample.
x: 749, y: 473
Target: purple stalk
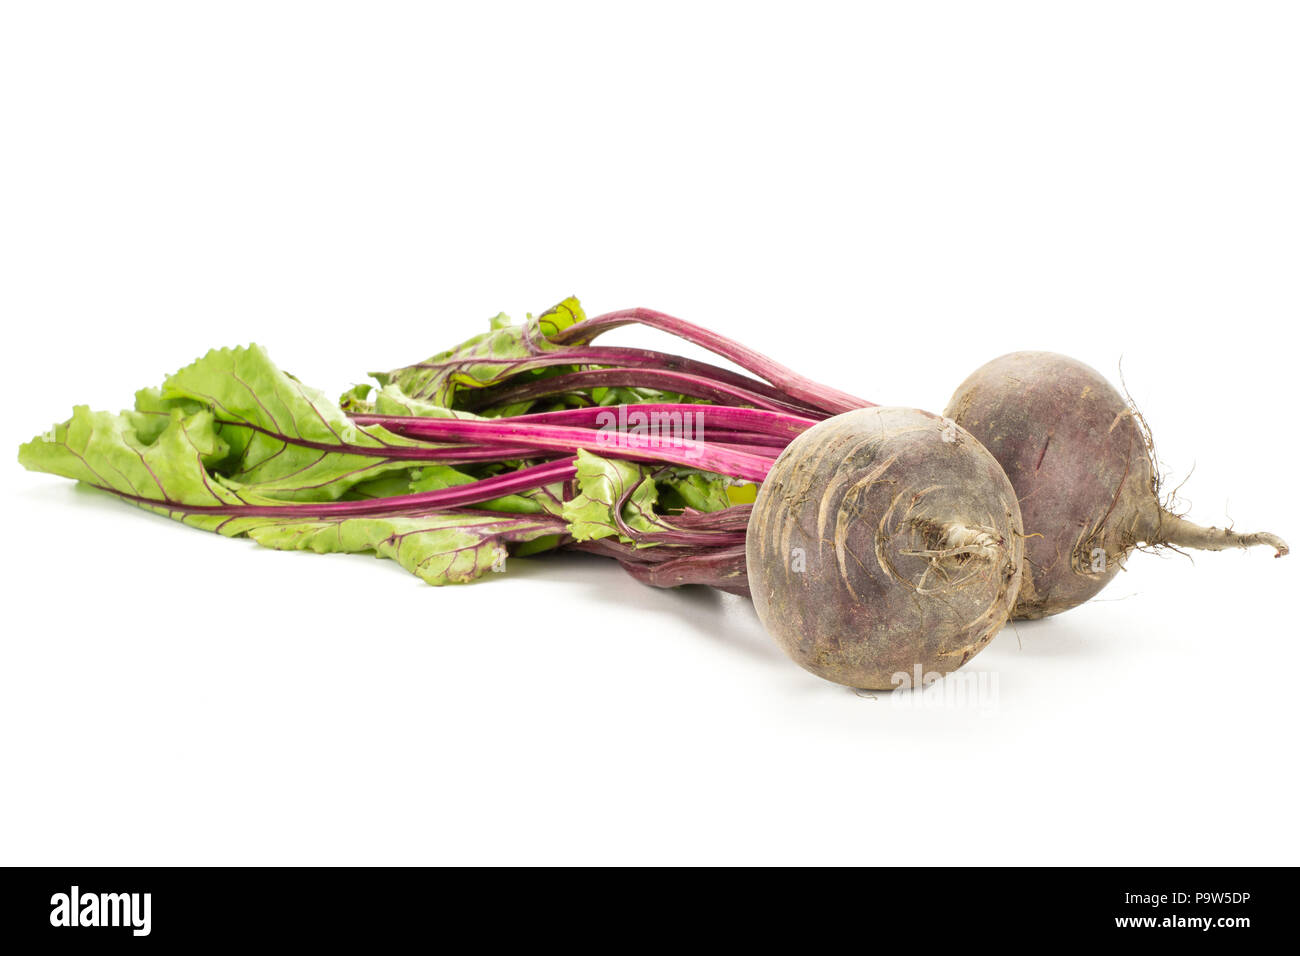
x: 761, y: 450
x: 793, y: 384
x: 637, y: 358
x: 667, y: 449
x: 672, y: 534
x: 694, y: 385
x: 725, y: 424
x: 448, y: 454
x: 722, y: 568
x: 486, y: 444
x: 763, y: 421
x: 485, y: 489
x: 733, y: 518
x: 749, y: 438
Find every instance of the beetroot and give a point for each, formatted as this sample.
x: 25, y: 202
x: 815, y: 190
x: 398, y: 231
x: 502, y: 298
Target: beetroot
x: 1079, y: 457
x: 882, y: 540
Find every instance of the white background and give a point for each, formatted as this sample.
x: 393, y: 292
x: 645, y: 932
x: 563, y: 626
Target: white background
x: 882, y: 196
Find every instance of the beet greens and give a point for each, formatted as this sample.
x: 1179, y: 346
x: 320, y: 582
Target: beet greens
x: 524, y: 439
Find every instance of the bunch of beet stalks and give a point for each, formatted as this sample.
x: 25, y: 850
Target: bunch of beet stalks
x: 700, y: 548
x: 749, y: 421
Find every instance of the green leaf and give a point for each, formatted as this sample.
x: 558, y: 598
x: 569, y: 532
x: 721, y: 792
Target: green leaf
x: 286, y: 440
x: 357, y: 400
x: 385, y: 486
x: 602, y: 483
x: 165, y: 470
x: 546, y: 500
x: 391, y: 400
x: 167, y: 466
x: 742, y: 494
x: 152, y: 413
x: 701, y: 490
x: 622, y: 395
x: 487, y: 359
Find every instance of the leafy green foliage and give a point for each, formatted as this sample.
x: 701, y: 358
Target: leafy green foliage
x: 232, y: 430
x: 604, y: 482
x: 285, y: 439
x: 167, y: 469
x: 505, y: 350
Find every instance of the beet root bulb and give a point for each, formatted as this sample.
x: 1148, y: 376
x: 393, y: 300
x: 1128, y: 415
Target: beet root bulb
x: 882, y: 540
x: 1080, y: 459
